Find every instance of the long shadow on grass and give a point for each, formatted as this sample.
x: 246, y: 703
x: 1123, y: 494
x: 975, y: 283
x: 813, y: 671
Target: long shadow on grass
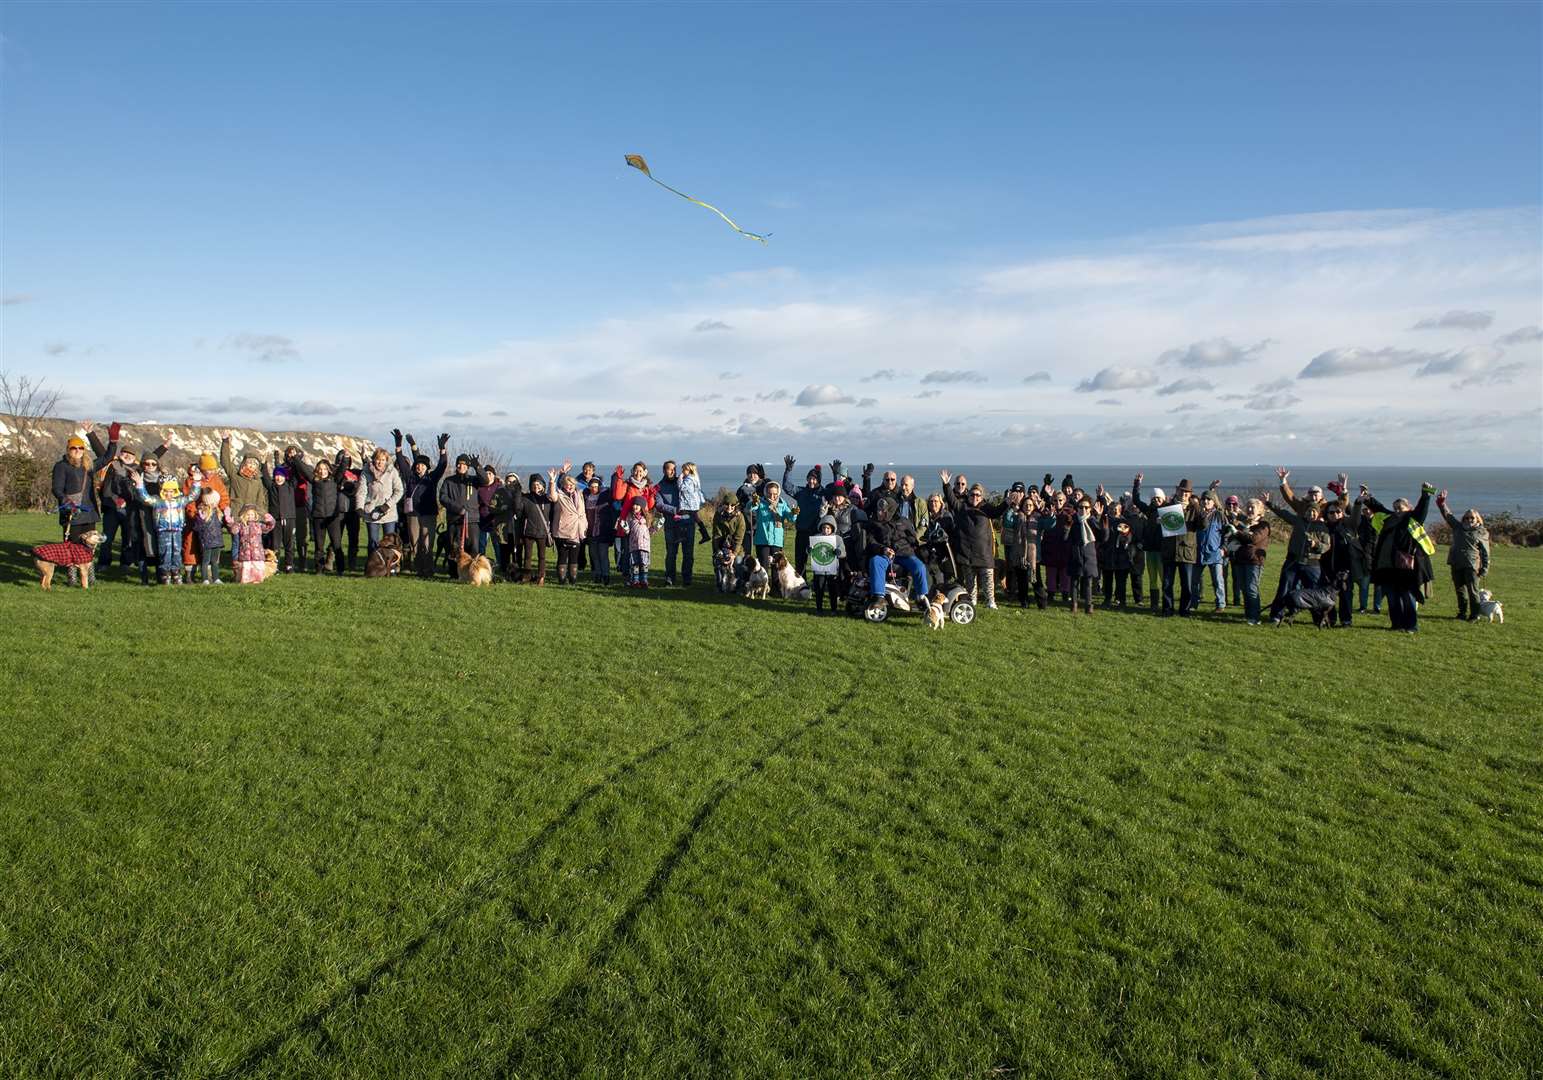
x: 660, y: 879
x: 476, y: 894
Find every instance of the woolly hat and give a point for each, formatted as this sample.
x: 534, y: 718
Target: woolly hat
x: 813, y: 474
x: 207, y: 463
x: 75, y: 443
x: 1066, y: 481
x: 170, y: 488
x: 1159, y: 494
x: 280, y: 473
x: 1018, y: 485
x: 1232, y: 500
x: 463, y: 459
x: 421, y: 459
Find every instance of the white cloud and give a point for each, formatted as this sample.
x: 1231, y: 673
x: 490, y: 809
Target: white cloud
x: 929, y: 394
x: 1272, y: 402
x: 953, y: 377
x: 1524, y: 336
x: 1118, y: 378
x: 1037, y: 377
x: 1185, y: 386
x: 1358, y: 361
x: 823, y: 394
x: 709, y: 325
x: 1213, y: 353
x: 1071, y: 274
x: 12, y: 299
x: 774, y: 395
x: 1457, y: 320
x: 264, y: 348
x: 882, y: 375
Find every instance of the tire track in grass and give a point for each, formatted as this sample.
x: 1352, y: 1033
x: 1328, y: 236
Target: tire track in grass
x: 471, y: 897
x: 659, y: 880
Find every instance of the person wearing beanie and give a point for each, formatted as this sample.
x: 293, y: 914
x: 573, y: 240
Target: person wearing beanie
x: 206, y: 527
x: 459, y: 495
x: 168, y: 506
x: 599, y: 529
x: 810, y: 501
x: 245, y: 482
x: 536, y: 528
x: 286, y: 515
x: 487, y: 520
x: 1149, y: 539
x: 75, y: 489
x: 892, y: 540
x: 826, y: 552
x: 420, y: 485
x: 350, y: 491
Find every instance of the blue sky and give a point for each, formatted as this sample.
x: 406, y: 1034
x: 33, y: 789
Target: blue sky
x: 352, y: 216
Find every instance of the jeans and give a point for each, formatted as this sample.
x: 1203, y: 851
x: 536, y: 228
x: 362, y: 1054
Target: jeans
x: 1246, y: 575
x: 637, y: 566
x: 1188, y: 575
x: 680, y: 536
x: 600, y: 558
x: 878, y: 571
x: 375, y: 530
x: 1218, y: 585
x: 112, y: 520
x: 1364, y: 583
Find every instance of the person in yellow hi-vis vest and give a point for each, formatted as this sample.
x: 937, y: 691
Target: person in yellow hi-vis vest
x: 1401, y: 559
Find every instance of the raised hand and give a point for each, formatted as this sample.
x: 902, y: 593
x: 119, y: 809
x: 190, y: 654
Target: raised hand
x: 396, y: 433
x: 444, y: 439
x: 1100, y: 491
x: 1282, y: 472
x: 1442, y: 497
x: 88, y: 426
x: 567, y: 464
x: 411, y: 441
x: 944, y: 475
x: 789, y: 460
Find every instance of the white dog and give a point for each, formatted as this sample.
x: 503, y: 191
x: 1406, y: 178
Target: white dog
x: 1490, y: 607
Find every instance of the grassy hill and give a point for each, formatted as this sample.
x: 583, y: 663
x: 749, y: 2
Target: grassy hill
x: 333, y: 827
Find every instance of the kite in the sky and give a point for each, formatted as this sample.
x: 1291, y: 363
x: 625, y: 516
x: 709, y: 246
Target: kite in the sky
x: 637, y: 162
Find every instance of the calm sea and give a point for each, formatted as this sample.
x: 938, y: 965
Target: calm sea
x: 1517, y: 491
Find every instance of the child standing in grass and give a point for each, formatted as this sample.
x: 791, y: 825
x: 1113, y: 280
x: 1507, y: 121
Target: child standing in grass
x: 209, y: 536
x: 639, y: 532
x: 167, y: 509
x: 249, y: 527
x: 826, y: 552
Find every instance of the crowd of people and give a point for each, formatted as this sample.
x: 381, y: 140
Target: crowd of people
x: 1145, y: 546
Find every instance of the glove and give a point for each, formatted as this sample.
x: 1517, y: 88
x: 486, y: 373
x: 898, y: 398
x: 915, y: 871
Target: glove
x: 377, y: 513
x: 619, y: 473
x: 113, y: 430
x: 396, y: 433
x: 1048, y: 479
x: 444, y: 439
x: 411, y: 441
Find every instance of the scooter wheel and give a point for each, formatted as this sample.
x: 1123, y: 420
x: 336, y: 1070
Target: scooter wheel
x: 876, y: 613
x: 963, y: 612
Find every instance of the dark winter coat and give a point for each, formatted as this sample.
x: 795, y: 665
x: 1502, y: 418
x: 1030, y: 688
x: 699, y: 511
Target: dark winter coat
x: 1020, y: 539
x: 323, y: 494
x: 897, y: 534
x: 458, y: 493
x: 1082, y: 555
x: 976, y: 544
x: 420, y: 493
x: 1395, y: 540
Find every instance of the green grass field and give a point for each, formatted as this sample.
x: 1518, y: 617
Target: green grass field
x: 328, y: 827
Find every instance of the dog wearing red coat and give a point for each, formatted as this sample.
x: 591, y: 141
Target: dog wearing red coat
x: 72, y: 554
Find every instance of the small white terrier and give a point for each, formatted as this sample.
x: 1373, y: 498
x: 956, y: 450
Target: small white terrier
x: 1490, y: 607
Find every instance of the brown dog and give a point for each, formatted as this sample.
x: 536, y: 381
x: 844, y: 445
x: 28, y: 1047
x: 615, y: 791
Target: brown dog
x: 385, y: 559
x: 69, y: 553
x: 474, y: 569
